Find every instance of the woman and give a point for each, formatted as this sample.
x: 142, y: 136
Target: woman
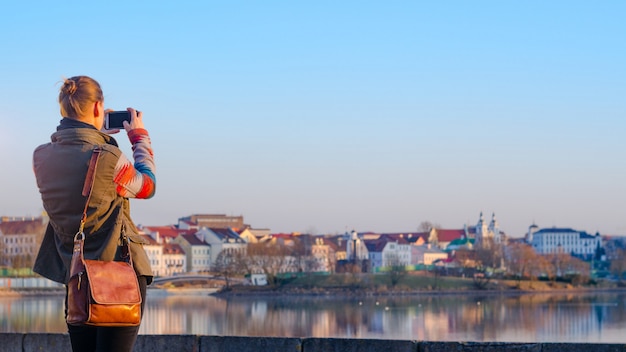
x: 60, y: 169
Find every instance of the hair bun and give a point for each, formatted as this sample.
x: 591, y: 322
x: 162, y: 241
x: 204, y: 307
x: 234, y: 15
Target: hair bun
x: 69, y: 86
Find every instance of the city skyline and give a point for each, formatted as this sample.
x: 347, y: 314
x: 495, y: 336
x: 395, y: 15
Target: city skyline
x: 325, y: 117
x: 487, y: 220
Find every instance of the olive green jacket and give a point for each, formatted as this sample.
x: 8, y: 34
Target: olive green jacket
x: 60, y: 169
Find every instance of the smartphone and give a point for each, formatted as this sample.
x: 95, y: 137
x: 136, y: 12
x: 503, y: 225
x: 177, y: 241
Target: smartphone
x: 115, y: 119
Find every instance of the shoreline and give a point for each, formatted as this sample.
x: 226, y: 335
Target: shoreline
x: 265, y: 291
x: 339, y: 292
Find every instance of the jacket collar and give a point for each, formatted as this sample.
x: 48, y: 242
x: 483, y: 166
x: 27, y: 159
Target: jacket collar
x: 71, y: 131
x: 67, y: 123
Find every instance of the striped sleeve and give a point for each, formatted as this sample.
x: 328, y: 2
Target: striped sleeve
x: 136, y: 180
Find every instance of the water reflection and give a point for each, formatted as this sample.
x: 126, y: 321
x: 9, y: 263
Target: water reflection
x: 573, y: 317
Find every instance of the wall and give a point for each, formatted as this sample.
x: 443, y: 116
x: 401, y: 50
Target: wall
x: 13, y: 342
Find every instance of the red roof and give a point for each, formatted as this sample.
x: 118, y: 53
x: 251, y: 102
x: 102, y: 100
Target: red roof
x: 150, y: 240
x: 167, y: 231
x: 22, y: 227
x: 193, y: 240
x: 410, y: 237
x: 282, y: 235
x: 172, y: 248
x: 449, y: 235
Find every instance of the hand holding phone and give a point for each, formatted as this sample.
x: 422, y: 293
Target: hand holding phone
x: 114, y: 120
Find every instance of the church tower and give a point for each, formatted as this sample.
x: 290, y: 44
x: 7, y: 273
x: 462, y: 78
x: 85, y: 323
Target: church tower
x: 494, y: 229
x: 481, y: 230
x: 531, y: 232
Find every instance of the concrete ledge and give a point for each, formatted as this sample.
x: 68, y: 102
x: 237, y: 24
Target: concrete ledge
x: 14, y: 342
x: 581, y: 347
x: 11, y: 342
x: 482, y: 347
x: 44, y: 342
x: 166, y: 343
x: 249, y: 344
x: 349, y: 345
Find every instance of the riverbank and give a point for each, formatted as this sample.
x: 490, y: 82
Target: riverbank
x: 410, y: 285
x: 152, y: 292
x: 363, y: 285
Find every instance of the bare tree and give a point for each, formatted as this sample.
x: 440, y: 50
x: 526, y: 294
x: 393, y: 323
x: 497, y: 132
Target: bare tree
x: 229, y: 264
x: 426, y: 226
x: 304, y: 261
x: 4, y: 258
x: 489, y: 254
x: 489, y: 257
x: 436, y: 272
x: 519, y: 260
x: 618, y: 264
x: 397, y: 269
x: 270, y: 258
x: 558, y: 260
x: 565, y: 266
x: 577, y: 271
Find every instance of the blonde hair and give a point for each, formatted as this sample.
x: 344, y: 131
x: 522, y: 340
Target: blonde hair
x: 77, y: 94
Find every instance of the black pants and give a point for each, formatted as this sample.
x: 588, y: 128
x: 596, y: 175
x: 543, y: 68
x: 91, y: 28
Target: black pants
x: 85, y: 338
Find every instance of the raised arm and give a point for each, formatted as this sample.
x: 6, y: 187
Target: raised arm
x: 138, y: 180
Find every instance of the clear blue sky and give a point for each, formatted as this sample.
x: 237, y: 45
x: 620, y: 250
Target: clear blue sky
x: 327, y: 116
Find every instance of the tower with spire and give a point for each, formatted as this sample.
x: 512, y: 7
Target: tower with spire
x: 486, y: 232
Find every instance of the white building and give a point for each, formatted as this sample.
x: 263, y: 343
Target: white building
x: 489, y: 231
x: 166, y: 259
x: 355, y: 247
x: 386, y: 252
x: 324, y: 252
x: 221, y: 240
x: 564, y: 240
x: 197, y: 252
x: 426, y: 254
x: 174, y: 259
x: 19, y: 241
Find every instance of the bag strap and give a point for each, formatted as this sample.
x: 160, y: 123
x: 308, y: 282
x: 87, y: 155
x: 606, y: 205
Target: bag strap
x: 87, y: 188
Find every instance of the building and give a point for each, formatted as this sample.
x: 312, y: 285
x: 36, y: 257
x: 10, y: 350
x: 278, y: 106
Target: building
x: 356, y: 250
x: 441, y: 238
x: 485, y: 234
x: 165, y: 234
x: 221, y: 240
x: 564, y: 240
x: 166, y: 259
x: 197, y: 252
x: 214, y: 221
x: 426, y: 255
x: 174, y: 259
x: 386, y: 252
x: 482, y: 233
x: 251, y: 235
x: 614, y: 246
x: 20, y: 241
x: 154, y: 251
x: 324, y: 251
x: 414, y: 238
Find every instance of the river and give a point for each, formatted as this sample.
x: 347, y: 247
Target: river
x: 571, y: 317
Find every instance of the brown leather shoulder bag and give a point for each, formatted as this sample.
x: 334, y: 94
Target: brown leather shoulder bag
x: 101, y: 293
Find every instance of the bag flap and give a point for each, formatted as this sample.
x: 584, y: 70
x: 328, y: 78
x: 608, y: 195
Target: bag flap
x: 112, y: 282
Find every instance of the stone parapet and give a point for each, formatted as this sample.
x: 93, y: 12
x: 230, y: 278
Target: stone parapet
x: 31, y: 342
